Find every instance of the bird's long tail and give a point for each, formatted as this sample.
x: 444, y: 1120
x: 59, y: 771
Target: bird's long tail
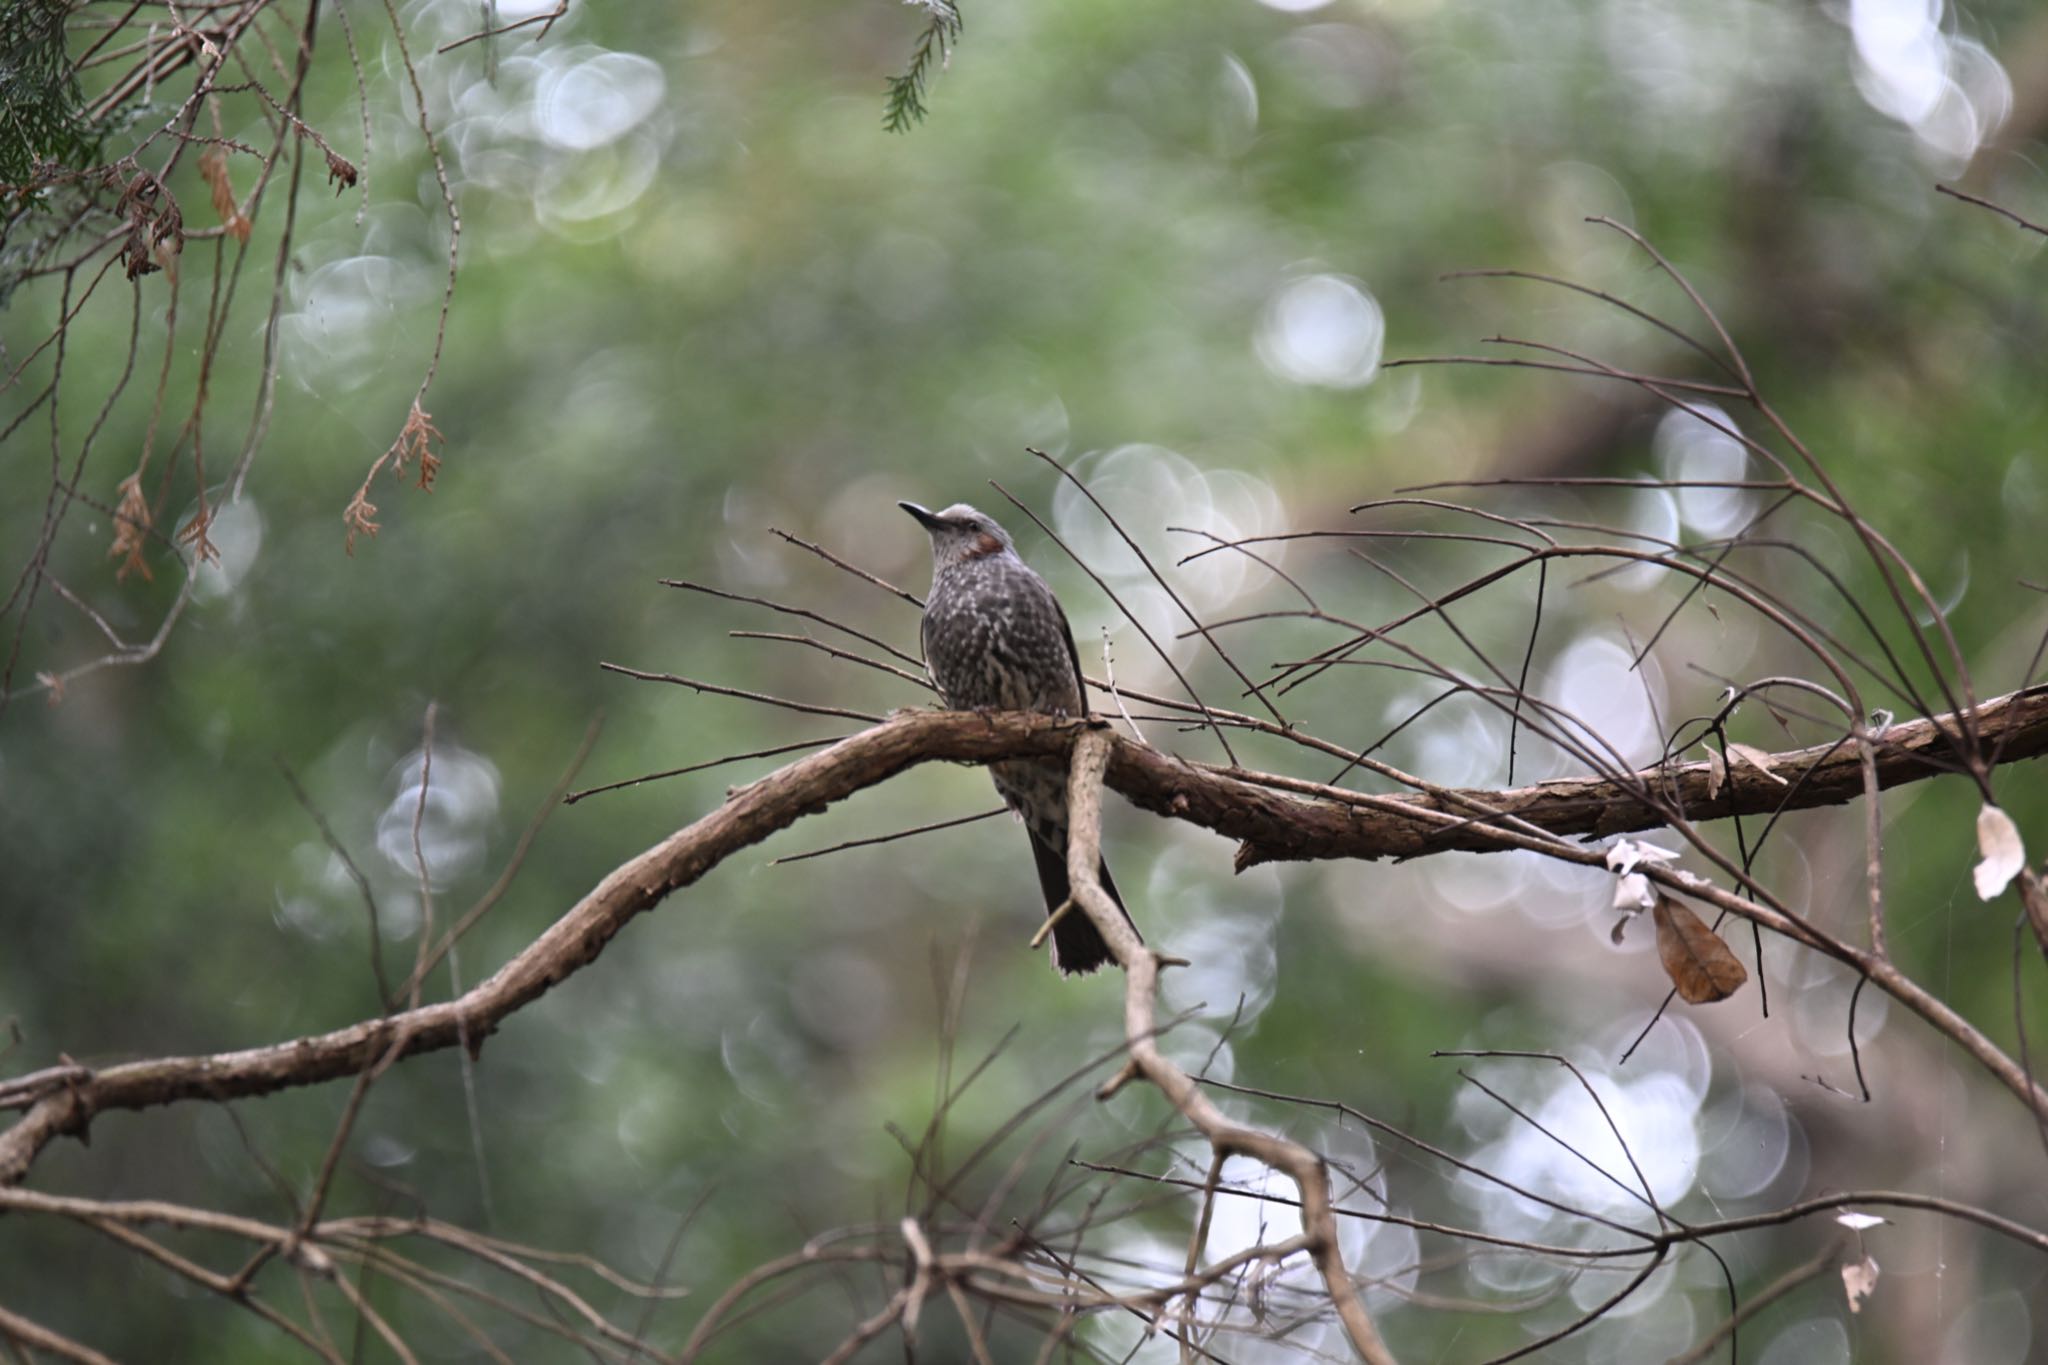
x: 1077, y: 945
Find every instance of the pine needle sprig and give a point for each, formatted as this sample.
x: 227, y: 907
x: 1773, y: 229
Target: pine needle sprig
x: 906, y: 104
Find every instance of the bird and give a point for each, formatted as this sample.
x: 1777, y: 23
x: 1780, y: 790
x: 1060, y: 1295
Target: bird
x: 995, y: 639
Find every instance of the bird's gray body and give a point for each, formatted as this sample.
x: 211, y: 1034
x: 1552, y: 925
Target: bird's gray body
x: 995, y: 639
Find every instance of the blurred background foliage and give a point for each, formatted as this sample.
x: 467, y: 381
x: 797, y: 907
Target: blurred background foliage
x: 702, y: 294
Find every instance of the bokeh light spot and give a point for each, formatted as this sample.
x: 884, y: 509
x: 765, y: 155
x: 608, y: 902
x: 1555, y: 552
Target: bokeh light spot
x: 598, y: 99
x: 1325, y: 330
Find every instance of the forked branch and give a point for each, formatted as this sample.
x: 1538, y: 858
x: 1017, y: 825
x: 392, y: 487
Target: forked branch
x: 1274, y: 816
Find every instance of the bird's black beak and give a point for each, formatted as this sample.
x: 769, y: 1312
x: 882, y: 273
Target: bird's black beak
x: 924, y: 518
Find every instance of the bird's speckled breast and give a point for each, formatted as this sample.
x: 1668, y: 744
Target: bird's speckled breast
x: 994, y: 639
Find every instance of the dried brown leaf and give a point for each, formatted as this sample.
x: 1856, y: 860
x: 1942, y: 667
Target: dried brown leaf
x: 136, y: 256
x: 1717, y: 772
x: 1699, y: 964
x: 193, y: 533
x: 416, y: 442
x: 360, y: 516
x: 213, y: 168
x: 132, y: 520
x: 341, y: 172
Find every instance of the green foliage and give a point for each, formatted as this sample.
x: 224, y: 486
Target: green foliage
x: 934, y: 48
x: 41, y: 121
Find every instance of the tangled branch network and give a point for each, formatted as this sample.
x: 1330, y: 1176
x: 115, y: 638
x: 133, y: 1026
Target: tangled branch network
x: 1883, y: 697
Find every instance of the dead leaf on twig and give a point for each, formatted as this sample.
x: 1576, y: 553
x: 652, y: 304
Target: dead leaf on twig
x: 194, y: 534
x: 1859, y: 1279
x: 213, y: 168
x: 360, y: 516
x: 1699, y: 964
x: 1757, y: 759
x: 416, y: 442
x: 1998, y: 839
x: 132, y: 520
x: 1717, y: 772
x: 1632, y: 891
x: 341, y: 172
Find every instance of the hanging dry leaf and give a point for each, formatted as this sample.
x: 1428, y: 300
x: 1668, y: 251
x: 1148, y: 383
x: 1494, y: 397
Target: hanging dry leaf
x: 1632, y: 889
x: 1998, y: 839
x: 341, y: 172
x: 416, y: 442
x: 1632, y: 893
x: 194, y: 533
x: 1859, y: 1221
x: 1858, y: 1281
x: 1717, y: 772
x: 360, y: 516
x: 1699, y: 964
x: 132, y: 520
x: 165, y: 254
x: 213, y: 168
x: 1757, y: 759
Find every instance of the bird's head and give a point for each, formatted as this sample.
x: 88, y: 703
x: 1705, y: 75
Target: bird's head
x: 960, y: 534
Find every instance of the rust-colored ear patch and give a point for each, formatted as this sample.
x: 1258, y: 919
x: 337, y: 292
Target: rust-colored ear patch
x: 983, y: 544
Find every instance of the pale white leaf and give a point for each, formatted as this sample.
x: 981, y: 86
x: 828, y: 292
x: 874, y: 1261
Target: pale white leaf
x: 1624, y: 854
x: 1998, y: 839
x: 1717, y: 772
x: 1757, y: 759
x: 1859, y: 1221
x: 1858, y: 1281
x: 1632, y: 893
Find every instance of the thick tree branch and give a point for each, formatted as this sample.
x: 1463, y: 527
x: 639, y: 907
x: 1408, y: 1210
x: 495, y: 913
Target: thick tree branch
x: 2010, y: 728
x: 1275, y: 817
x: 749, y: 815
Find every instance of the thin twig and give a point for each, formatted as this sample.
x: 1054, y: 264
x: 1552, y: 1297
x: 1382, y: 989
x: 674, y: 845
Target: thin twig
x: 891, y: 838
x: 807, y: 708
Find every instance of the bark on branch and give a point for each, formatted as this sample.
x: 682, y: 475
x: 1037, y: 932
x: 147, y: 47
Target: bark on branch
x: 1274, y: 817
x: 2011, y: 727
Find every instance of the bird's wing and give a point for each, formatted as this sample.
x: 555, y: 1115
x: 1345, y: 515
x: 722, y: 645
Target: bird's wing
x: 1080, y: 683
x: 924, y: 647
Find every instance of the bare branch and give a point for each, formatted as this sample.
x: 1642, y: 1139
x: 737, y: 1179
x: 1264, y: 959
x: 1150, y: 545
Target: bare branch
x: 1276, y: 818
x: 807, y: 708
x: 1141, y: 980
x: 2000, y: 209
x: 26, y: 1332
x: 899, y: 834
x: 836, y: 562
